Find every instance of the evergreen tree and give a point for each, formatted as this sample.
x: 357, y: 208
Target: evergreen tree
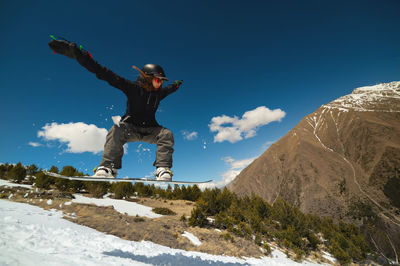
x: 143, y: 190
x: 3, y: 171
x: 9, y: 167
x: 313, y: 240
x: 184, y: 193
x: 124, y: 189
x: 177, y: 194
x: 18, y: 173
x: 235, y: 212
x: 196, y: 193
x: 139, y: 188
x: 210, y: 196
x: 97, y: 189
x: 222, y: 221
x: 338, y: 252
x: 224, y: 199
x: 32, y: 170
x: 169, y: 192
x: 152, y: 190
x: 198, y: 218
x: 54, y: 169
x: 43, y: 181
x: 70, y: 171
x: 392, y: 191
x: 67, y: 185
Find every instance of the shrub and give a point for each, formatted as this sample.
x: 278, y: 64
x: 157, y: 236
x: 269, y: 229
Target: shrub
x: 142, y: 189
x: 392, y: 191
x: 313, y: 240
x: 222, y: 221
x: 197, y: 218
x: 122, y: 189
x: 183, y: 218
x: 164, y: 211
x: 62, y: 184
x: 68, y: 185
x: 267, y: 248
x: 138, y: 219
x: 299, y: 254
x: 43, y: 181
x: 359, y: 210
x: 98, y: 189
x: 18, y: 173
x: 54, y: 169
x: 3, y: 171
x: 339, y: 253
x: 32, y: 169
x: 227, y: 237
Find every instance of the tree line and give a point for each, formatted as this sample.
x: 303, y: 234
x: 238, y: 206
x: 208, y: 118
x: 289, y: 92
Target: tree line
x: 32, y: 175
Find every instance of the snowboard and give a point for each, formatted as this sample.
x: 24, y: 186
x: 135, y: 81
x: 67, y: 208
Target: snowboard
x: 124, y: 179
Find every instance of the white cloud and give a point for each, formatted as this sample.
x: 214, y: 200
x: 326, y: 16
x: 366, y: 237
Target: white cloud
x: 79, y: 137
x: 234, y: 129
x: 238, y: 164
x: 228, y: 177
x: 189, y: 135
x: 267, y: 144
x: 34, y: 144
x: 235, y: 167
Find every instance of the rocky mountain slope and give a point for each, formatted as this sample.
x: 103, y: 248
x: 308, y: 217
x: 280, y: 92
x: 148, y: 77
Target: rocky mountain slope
x: 341, y: 155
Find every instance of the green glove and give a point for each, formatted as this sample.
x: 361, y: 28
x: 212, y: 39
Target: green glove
x: 177, y: 83
x: 66, y: 48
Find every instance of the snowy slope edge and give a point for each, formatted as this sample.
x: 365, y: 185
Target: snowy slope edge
x: 383, y: 97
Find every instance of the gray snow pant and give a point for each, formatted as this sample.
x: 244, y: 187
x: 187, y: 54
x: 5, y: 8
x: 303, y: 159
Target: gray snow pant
x: 125, y: 132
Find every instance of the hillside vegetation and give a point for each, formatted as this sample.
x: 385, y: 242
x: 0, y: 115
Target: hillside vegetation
x: 247, y: 217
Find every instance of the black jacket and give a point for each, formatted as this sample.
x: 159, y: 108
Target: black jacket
x: 141, y: 105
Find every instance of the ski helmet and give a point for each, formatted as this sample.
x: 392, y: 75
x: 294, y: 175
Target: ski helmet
x: 154, y: 70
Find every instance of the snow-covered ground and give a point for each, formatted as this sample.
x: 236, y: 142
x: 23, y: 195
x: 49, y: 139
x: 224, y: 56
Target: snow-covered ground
x: 122, y: 206
x: 366, y: 99
x: 192, y: 238
x: 6, y: 183
x: 30, y: 235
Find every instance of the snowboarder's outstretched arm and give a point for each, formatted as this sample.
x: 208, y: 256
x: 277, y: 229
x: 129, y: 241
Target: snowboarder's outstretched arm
x: 84, y: 58
x: 170, y: 88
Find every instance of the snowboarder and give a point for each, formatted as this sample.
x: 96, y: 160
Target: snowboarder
x: 138, y: 123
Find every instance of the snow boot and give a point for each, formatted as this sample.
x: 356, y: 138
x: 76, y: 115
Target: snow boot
x: 105, y: 172
x: 163, y: 174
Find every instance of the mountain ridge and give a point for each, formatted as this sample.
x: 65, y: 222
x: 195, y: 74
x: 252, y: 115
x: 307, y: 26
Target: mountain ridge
x: 334, y: 158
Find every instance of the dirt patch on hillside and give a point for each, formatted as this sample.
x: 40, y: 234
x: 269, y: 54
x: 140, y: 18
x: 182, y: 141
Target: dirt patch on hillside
x: 166, y: 231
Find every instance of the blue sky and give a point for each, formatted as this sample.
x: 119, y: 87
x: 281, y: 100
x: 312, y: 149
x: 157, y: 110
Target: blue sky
x: 252, y: 70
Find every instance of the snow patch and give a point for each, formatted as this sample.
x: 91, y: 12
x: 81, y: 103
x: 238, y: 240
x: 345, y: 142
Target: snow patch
x: 329, y: 257
x: 122, y: 206
x: 192, y: 238
x: 11, y: 184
